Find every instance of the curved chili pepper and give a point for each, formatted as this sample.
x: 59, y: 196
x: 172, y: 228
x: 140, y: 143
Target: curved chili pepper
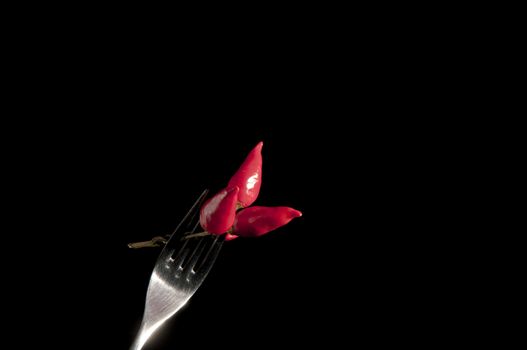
x: 217, y: 214
x: 249, y: 177
x: 257, y: 221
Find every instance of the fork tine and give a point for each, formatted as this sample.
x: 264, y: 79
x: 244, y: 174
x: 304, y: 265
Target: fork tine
x: 180, y: 251
x: 182, y: 255
x: 189, y: 218
x: 191, y: 214
x: 172, y: 244
x: 210, y: 256
x: 198, y: 252
x: 194, y: 215
x: 173, y: 252
x: 195, y: 226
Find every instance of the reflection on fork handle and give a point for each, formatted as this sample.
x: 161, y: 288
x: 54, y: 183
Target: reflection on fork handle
x: 139, y: 342
x: 145, y: 333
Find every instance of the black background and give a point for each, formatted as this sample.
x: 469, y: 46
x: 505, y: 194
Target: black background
x: 110, y: 130
x: 341, y: 269
x: 120, y: 155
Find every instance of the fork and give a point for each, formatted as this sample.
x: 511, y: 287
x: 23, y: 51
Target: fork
x: 179, y: 271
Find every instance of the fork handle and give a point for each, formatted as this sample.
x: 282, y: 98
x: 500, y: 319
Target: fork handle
x: 139, y: 342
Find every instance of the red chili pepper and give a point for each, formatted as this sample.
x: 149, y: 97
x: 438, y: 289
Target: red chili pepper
x: 249, y: 177
x: 217, y: 214
x: 230, y: 237
x: 257, y: 221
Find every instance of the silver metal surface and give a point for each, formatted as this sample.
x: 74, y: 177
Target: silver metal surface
x: 179, y: 271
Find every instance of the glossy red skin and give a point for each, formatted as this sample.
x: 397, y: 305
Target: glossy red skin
x: 230, y: 237
x: 249, y: 177
x: 257, y: 221
x: 218, y: 213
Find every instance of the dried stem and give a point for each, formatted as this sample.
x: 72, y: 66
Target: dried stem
x: 154, y: 242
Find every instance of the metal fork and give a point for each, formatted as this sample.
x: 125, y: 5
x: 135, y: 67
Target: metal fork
x: 179, y: 271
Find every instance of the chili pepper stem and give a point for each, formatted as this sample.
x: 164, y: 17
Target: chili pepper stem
x: 199, y: 234
x: 154, y: 242
x: 159, y: 241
